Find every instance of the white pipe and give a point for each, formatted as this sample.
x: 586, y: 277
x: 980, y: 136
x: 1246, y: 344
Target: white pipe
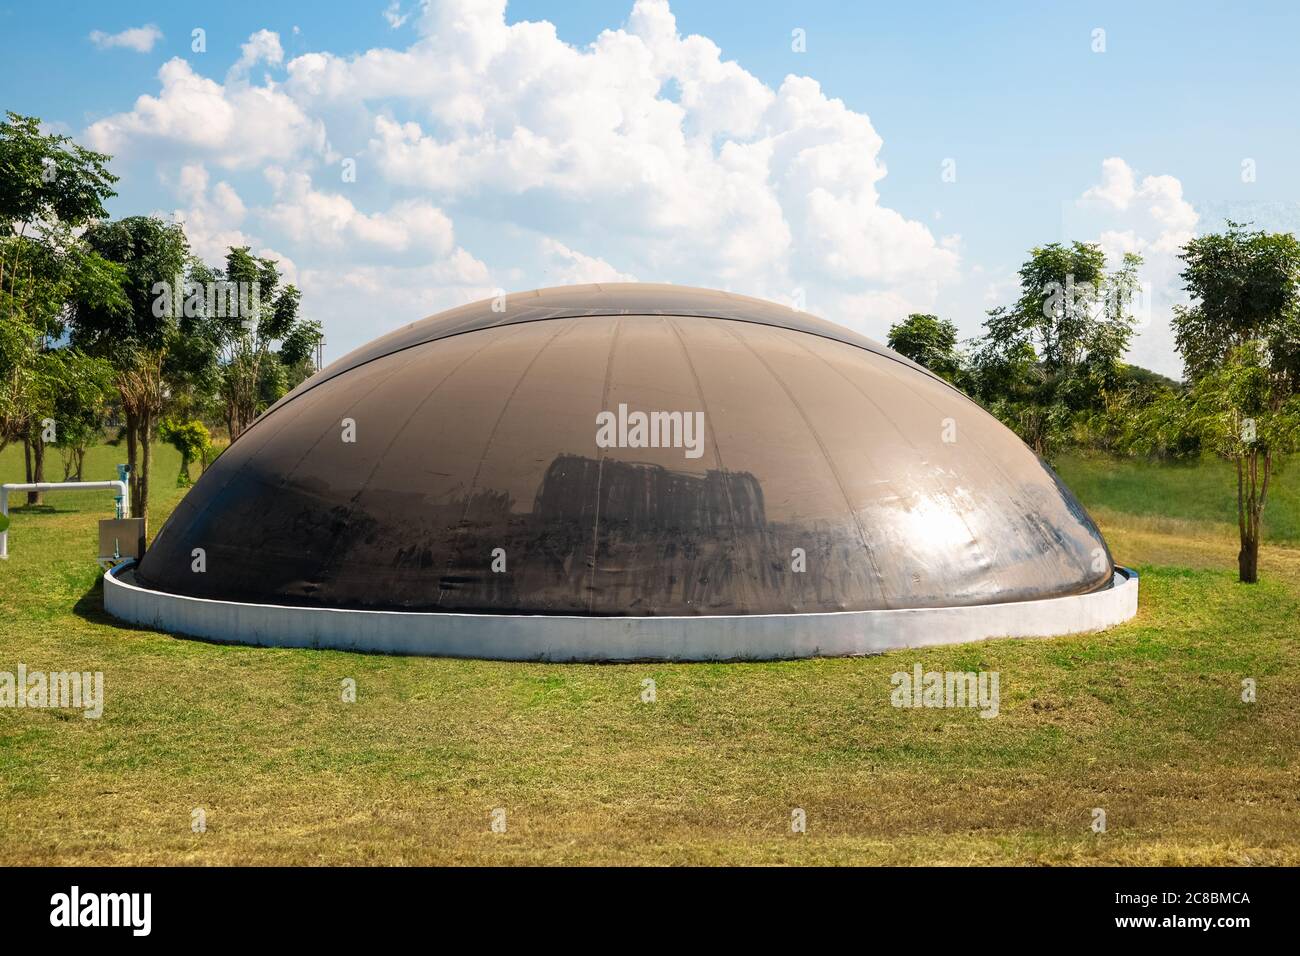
x: 119, y: 486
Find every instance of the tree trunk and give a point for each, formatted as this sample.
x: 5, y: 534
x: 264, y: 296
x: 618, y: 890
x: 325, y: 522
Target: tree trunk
x: 146, y: 457
x: 34, y: 460
x: 38, y: 466
x: 32, y: 497
x: 1248, y: 560
x: 1249, y: 505
x: 132, y: 454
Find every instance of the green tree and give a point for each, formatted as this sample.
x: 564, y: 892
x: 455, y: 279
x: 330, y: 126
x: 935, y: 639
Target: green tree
x: 929, y: 341
x: 49, y: 188
x: 76, y: 389
x: 1119, y: 425
x: 263, y: 343
x: 47, y: 179
x: 192, y: 440
x: 143, y: 339
x: 1240, y: 343
x: 1056, y: 351
x: 48, y: 389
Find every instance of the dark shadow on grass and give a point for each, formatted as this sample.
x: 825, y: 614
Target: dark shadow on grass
x: 90, y: 608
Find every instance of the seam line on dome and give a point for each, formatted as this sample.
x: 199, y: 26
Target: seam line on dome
x: 331, y: 427
x: 355, y: 503
x: 600, y: 469
x: 1035, y: 531
x: 826, y: 455
x: 478, y: 469
x: 717, y: 453
x: 904, y: 437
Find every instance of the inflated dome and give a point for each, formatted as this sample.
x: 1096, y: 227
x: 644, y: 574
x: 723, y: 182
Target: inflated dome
x: 501, y: 458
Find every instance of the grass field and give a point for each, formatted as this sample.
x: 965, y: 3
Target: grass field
x: 1145, y: 721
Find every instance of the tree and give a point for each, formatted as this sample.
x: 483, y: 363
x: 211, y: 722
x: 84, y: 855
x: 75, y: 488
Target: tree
x: 50, y: 394
x: 1240, y: 343
x: 1056, y: 351
x: 48, y: 179
x: 79, y: 388
x: 192, y: 440
x: 1122, y: 425
x: 49, y: 188
x: 140, y: 339
x: 262, y: 341
x: 929, y: 341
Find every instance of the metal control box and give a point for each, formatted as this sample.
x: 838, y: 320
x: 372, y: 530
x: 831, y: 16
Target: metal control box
x: 121, y: 537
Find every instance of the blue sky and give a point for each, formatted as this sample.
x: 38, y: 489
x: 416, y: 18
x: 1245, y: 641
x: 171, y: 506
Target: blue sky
x: 466, y: 183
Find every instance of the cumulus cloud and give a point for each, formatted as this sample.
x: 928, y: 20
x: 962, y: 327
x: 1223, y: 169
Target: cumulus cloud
x: 307, y: 215
x: 233, y: 125
x: 569, y: 267
x: 1158, y: 199
x: 212, y: 214
x: 1147, y: 215
x: 139, y: 39
x: 646, y: 142
x: 262, y: 47
x: 644, y: 152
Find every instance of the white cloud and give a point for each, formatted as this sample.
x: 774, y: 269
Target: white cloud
x: 211, y: 214
x: 1148, y: 216
x: 139, y: 39
x: 1159, y: 199
x: 1118, y: 184
x: 262, y: 47
x: 400, y: 262
x: 330, y: 219
x: 642, y: 153
x: 569, y: 267
x: 645, y: 142
x: 236, y: 125
x: 394, y: 15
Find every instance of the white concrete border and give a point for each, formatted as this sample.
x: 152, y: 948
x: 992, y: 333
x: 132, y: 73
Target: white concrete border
x: 536, y: 637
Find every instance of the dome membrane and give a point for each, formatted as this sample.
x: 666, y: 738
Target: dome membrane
x: 627, y: 451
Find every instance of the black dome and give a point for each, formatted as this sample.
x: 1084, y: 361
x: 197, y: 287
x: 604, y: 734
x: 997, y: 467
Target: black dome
x: 476, y: 443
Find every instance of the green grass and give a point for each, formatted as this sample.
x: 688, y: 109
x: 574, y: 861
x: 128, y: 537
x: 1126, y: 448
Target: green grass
x: 1144, y: 720
x: 1203, y: 491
